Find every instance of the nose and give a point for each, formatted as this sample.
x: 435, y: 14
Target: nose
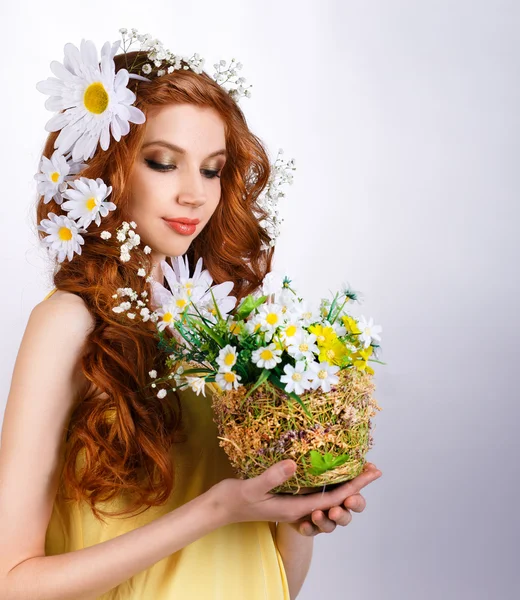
x: 191, y: 190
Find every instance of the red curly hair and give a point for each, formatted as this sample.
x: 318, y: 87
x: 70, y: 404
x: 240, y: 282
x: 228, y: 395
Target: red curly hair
x: 130, y: 453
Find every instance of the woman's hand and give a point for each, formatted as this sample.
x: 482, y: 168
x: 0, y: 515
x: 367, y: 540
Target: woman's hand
x: 320, y: 521
x: 241, y: 500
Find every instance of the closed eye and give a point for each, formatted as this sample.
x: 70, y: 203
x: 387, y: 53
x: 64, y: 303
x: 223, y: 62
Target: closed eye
x: 164, y: 168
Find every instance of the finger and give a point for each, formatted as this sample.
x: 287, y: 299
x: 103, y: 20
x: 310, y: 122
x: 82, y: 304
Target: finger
x: 323, y: 522
x: 356, y: 503
x: 336, y: 497
x: 309, y: 529
x: 340, y: 515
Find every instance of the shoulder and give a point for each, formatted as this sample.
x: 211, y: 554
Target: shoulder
x: 63, y: 309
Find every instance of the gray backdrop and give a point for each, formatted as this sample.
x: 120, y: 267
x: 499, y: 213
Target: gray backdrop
x: 403, y: 120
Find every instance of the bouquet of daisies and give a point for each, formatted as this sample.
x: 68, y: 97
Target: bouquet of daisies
x: 287, y: 381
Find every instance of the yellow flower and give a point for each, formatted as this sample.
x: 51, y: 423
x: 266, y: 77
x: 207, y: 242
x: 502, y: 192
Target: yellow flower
x: 332, y: 351
x: 323, y: 334
x: 350, y: 324
x: 361, y: 358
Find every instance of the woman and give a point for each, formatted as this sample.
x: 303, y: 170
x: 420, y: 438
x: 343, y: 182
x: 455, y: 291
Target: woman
x: 108, y: 492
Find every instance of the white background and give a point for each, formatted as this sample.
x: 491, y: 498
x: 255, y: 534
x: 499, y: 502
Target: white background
x: 402, y: 117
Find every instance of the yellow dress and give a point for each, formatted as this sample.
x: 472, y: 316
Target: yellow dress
x: 239, y: 561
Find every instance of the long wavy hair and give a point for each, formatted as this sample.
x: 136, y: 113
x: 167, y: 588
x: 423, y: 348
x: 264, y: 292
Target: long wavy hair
x: 125, y: 434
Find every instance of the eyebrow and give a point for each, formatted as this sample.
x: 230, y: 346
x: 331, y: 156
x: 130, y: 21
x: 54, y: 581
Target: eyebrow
x: 175, y: 148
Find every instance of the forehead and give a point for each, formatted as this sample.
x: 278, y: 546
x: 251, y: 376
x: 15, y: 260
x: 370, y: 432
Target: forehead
x: 191, y: 127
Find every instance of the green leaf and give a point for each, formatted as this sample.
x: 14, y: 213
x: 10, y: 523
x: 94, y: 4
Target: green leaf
x: 200, y: 370
x: 325, y: 462
x: 248, y: 305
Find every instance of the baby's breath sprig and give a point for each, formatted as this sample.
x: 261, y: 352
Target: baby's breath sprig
x: 229, y: 76
x: 281, y: 173
x: 129, y: 238
x: 153, y: 55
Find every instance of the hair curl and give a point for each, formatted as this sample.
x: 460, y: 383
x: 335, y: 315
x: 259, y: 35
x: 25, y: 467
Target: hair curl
x: 125, y: 436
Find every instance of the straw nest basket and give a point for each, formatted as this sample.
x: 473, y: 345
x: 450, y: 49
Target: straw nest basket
x: 270, y: 426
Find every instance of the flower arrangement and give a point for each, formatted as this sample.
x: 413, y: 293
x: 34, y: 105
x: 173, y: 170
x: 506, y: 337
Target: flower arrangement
x: 287, y: 380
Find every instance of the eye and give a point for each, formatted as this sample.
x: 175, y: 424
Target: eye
x: 210, y: 174
x: 162, y: 167
x: 158, y: 166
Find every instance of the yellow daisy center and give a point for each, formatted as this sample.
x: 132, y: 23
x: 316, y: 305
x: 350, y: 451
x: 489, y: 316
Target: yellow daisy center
x: 96, y: 98
x: 167, y: 317
x: 322, y: 374
x: 55, y: 176
x: 303, y: 347
x: 229, y: 359
x: 234, y: 328
x: 229, y: 376
x: 272, y: 318
x: 181, y: 302
x: 65, y: 234
x: 290, y: 331
x: 330, y: 354
x: 91, y: 203
x: 266, y: 354
x: 297, y: 376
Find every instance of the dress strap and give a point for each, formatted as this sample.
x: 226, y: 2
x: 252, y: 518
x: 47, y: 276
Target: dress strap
x: 50, y: 293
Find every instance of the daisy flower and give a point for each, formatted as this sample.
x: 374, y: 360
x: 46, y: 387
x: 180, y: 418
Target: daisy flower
x: 94, y: 99
x: 179, y: 275
x: 304, y: 347
x: 228, y: 380
x: 272, y: 283
x: 63, y: 235
x: 197, y: 384
x: 252, y: 325
x: 296, y: 378
x: 227, y: 358
x: 225, y: 303
x: 323, y: 375
x: 266, y: 357
x: 270, y: 317
x: 369, y: 331
x: 86, y: 201
x: 291, y: 331
x: 53, y: 176
x: 306, y: 314
x: 167, y: 315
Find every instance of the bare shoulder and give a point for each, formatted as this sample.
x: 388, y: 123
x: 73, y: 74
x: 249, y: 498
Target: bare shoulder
x: 66, y: 308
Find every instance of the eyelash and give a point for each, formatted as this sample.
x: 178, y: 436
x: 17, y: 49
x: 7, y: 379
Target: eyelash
x: 164, y: 168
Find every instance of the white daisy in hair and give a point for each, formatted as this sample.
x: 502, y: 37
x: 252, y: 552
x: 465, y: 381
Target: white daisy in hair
x: 87, y: 200
x: 53, y: 176
x: 63, y: 235
x: 95, y: 100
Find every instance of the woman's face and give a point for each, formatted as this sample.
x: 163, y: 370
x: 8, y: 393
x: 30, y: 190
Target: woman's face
x: 176, y: 175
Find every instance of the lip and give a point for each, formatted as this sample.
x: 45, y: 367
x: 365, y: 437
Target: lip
x: 183, y: 226
x: 184, y: 220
